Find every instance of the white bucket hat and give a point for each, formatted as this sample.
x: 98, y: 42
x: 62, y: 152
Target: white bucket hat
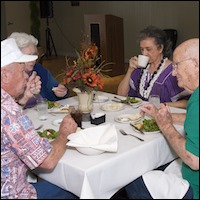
x: 10, y: 53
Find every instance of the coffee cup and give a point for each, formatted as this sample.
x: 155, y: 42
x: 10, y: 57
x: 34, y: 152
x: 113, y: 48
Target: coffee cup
x: 142, y: 61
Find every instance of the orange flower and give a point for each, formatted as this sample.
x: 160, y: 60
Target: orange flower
x: 90, y: 79
x: 91, y: 52
x: 69, y: 73
x: 85, y: 73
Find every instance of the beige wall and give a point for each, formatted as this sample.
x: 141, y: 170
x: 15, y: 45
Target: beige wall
x: 67, y: 24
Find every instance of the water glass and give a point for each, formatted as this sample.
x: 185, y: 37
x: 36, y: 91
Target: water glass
x: 42, y: 108
x: 155, y: 100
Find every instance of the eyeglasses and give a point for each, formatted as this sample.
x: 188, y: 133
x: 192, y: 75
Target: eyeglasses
x: 175, y: 65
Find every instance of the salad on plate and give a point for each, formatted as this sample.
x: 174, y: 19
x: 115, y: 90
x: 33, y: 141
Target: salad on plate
x: 147, y: 126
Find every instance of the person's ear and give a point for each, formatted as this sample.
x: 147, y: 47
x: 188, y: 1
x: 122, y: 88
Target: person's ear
x: 161, y: 48
x: 196, y: 65
x: 4, y: 76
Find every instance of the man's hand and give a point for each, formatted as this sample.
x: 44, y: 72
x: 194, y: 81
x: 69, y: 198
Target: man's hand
x: 162, y: 116
x: 67, y: 126
x: 33, y: 83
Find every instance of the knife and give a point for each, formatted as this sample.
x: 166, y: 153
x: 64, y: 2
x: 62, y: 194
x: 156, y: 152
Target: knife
x: 117, y: 98
x: 137, y: 129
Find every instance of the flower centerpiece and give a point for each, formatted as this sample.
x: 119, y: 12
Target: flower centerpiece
x: 86, y: 73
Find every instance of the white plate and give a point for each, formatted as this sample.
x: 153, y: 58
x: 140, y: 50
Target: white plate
x: 57, y: 122
x: 136, y: 104
x: 127, y: 118
x: 112, y: 107
x: 59, y: 110
x: 151, y: 132
x: 89, y: 151
x: 100, y: 98
x: 146, y: 132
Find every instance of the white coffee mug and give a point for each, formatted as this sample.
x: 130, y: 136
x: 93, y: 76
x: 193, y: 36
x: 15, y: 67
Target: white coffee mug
x: 142, y: 61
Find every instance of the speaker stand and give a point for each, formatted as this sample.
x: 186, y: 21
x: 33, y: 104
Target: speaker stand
x: 49, y: 41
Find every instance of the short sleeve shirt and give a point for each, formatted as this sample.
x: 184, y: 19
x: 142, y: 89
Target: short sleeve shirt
x: 21, y: 148
x: 191, y: 127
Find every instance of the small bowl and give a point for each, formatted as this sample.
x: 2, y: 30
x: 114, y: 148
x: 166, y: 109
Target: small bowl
x: 89, y: 151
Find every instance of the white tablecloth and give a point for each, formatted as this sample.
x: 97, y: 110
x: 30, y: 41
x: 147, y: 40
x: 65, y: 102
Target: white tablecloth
x: 100, y: 176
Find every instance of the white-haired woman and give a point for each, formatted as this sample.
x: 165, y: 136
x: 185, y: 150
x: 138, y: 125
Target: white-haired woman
x: 51, y: 89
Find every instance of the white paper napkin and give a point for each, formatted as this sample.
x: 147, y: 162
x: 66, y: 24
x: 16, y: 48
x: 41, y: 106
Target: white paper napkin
x: 102, y: 137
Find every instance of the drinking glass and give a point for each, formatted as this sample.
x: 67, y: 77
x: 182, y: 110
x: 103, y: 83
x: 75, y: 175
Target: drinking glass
x: 77, y: 116
x: 42, y: 108
x: 155, y: 100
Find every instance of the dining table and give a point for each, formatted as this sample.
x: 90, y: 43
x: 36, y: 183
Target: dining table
x: 101, y: 176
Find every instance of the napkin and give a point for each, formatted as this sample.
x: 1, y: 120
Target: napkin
x: 168, y: 184
x: 102, y: 137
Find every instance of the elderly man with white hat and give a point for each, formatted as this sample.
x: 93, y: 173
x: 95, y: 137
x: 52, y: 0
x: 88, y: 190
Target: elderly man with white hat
x: 21, y: 147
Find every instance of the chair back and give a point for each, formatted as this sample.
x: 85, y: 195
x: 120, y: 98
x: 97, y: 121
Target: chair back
x: 172, y: 34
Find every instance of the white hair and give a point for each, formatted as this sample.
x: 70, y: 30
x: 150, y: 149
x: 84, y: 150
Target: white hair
x: 23, y: 39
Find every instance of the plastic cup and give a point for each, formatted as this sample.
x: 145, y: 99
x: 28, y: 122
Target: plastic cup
x: 42, y: 108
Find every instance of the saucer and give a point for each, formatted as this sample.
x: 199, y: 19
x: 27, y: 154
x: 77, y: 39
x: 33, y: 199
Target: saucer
x: 100, y: 99
x: 112, y: 107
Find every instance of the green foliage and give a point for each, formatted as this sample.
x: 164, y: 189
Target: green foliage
x: 35, y: 21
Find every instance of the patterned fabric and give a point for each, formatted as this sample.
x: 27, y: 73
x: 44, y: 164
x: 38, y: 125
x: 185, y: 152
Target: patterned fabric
x: 21, y: 148
x: 166, y: 86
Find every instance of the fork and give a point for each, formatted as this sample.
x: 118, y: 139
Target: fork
x: 39, y: 127
x: 117, y: 98
x: 124, y: 133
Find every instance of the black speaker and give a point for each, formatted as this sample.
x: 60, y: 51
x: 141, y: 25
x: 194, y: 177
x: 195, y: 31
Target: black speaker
x: 172, y: 34
x: 46, y: 9
x: 75, y: 3
x: 95, y: 34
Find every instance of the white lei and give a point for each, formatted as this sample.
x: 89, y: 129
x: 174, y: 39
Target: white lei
x: 143, y: 92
